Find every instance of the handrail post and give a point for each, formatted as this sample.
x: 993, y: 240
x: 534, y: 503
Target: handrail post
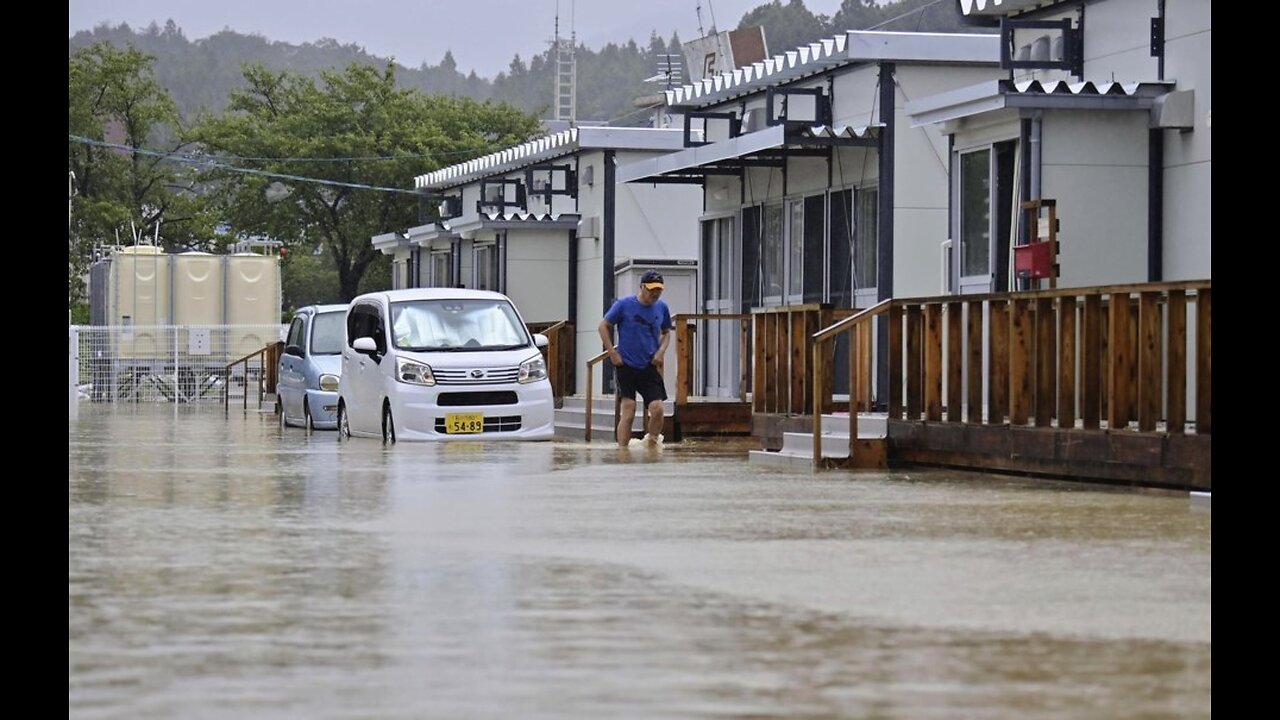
x: 590, y: 391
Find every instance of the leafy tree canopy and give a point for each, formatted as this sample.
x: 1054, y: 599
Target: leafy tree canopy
x: 117, y: 115
x: 356, y: 129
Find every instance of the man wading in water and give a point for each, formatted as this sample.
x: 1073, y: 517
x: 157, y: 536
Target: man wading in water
x: 644, y: 331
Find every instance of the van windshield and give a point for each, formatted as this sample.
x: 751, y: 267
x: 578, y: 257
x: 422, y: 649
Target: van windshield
x: 456, y: 325
x: 328, y: 331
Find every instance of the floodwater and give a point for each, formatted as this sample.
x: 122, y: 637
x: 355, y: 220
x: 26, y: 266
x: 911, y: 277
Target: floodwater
x: 220, y: 567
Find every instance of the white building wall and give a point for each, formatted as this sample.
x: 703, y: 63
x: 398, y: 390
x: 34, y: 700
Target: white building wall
x: 1117, y: 47
x: 538, y: 273
x: 1188, y: 182
x: 1095, y: 165
x: 921, y: 181
x: 656, y: 220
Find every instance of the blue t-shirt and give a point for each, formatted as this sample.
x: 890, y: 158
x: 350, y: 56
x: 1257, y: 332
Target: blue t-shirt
x: 640, y: 329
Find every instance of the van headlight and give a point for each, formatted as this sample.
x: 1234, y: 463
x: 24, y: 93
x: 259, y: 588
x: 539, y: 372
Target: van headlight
x: 414, y: 373
x: 329, y: 383
x: 533, y: 369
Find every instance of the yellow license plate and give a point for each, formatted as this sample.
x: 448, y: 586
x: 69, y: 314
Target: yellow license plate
x: 461, y: 423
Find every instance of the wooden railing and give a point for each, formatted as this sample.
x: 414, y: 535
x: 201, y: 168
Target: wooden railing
x: 591, y: 363
x: 559, y: 354
x: 686, y: 335
x: 268, y: 367
x: 1066, y: 357
x: 782, y: 381
x: 859, y: 328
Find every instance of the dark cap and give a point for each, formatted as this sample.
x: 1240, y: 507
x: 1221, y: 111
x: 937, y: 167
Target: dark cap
x: 651, y: 280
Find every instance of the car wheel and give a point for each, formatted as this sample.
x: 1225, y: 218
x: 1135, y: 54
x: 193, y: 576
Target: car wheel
x: 307, y: 421
x: 344, y: 427
x: 388, y: 426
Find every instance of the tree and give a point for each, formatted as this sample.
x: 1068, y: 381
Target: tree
x: 125, y: 188
x: 787, y: 26
x: 358, y: 141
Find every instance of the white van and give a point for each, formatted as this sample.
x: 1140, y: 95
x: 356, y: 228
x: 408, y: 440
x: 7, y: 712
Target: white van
x: 436, y: 364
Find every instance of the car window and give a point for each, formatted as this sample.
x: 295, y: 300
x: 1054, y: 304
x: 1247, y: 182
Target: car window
x: 326, y: 333
x: 456, y: 325
x: 295, y: 333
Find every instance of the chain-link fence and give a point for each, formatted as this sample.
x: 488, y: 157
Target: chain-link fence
x: 169, y: 363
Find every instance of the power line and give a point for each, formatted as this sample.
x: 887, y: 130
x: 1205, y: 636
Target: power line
x: 217, y: 164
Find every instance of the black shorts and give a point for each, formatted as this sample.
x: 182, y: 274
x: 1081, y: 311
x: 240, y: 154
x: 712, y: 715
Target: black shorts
x: 648, y: 382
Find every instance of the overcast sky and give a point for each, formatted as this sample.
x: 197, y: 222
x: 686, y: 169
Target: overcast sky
x: 483, y: 34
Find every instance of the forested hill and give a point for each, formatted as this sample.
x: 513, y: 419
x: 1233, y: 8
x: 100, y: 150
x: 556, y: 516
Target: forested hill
x: 199, y: 74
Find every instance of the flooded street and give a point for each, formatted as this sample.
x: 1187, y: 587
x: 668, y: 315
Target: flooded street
x: 220, y: 567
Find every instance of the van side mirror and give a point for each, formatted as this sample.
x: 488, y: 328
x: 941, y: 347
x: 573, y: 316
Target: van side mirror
x: 365, y: 345
x: 541, y: 340
x: 293, y: 350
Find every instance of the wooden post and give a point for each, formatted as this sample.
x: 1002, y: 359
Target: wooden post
x: 1019, y: 362
x: 895, y: 361
x: 684, y: 361
x: 1067, y: 363
x: 1046, y: 356
x: 955, y: 361
x: 998, y: 361
x: 974, y: 322
x: 933, y: 362
x: 1150, y: 396
x: 1091, y: 363
x: 914, y: 377
x: 1118, y: 378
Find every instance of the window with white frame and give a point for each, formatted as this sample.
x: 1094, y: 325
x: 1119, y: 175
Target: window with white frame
x: 975, y: 213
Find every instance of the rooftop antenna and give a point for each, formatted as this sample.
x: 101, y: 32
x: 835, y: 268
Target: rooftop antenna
x: 722, y: 60
x: 566, y: 64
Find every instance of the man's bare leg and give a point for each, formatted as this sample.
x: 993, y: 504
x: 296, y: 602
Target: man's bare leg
x: 653, y: 422
x: 626, y: 417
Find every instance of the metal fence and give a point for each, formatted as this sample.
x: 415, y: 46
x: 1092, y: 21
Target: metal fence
x: 166, y: 363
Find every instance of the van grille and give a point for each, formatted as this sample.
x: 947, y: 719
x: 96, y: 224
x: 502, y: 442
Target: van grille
x: 491, y: 376
x: 492, y: 424
x: 492, y: 397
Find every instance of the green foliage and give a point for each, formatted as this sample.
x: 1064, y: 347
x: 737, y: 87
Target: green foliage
x: 120, y: 194
x: 792, y: 25
x: 786, y: 26
x: 354, y: 127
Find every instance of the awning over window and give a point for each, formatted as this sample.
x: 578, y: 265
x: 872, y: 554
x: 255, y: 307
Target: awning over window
x: 468, y: 225
x: 1044, y: 95
x: 424, y: 234
x: 388, y: 242
x: 765, y: 148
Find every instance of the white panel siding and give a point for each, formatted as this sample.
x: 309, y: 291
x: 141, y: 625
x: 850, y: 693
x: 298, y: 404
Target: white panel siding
x: 1188, y: 223
x: 538, y: 273
x: 917, y: 263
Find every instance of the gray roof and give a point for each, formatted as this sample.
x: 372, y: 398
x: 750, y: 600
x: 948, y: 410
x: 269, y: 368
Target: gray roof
x: 999, y: 7
x: 849, y: 47
x: 731, y: 153
x: 468, y: 224
x: 1047, y: 94
x: 550, y: 147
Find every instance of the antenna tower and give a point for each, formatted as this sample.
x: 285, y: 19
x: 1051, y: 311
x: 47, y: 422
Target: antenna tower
x: 566, y: 71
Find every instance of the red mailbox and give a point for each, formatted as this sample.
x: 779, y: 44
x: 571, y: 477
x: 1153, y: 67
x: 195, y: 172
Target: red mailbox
x: 1033, y: 260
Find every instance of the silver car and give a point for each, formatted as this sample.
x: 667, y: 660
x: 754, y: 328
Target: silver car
x: 309, y: 368
x: 435, y: 364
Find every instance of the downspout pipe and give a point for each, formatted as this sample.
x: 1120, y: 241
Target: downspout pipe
x: 609, y: 287
x: 1155, y: 205
x: 884, y: 237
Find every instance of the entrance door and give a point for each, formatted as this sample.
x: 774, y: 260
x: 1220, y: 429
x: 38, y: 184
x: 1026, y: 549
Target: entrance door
x: 719, y: 339
x: 986, y: 193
